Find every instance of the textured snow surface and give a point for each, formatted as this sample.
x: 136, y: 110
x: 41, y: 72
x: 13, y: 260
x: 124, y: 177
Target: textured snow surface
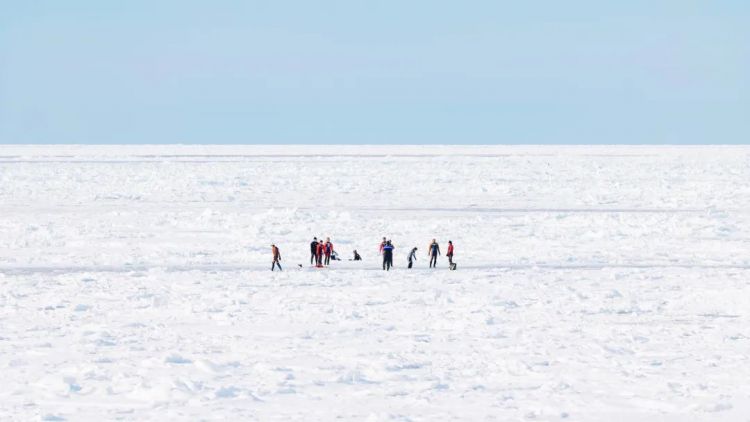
x: 593, y: 283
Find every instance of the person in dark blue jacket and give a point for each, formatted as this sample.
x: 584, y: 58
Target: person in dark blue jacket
x: 388, y: 255
x: 433, y: 251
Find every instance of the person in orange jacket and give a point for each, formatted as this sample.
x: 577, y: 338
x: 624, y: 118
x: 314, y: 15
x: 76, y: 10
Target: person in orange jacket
x: 276, y: 257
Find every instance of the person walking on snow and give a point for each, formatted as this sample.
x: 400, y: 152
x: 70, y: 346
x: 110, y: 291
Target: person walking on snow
x: 412, y: 256
x: 387, y: 256
x: 433, y: 251
x: 449, y: 254
x: 382, y: 245
x: 313, y: 250
x: 328, y: 250
x: 276, y: 257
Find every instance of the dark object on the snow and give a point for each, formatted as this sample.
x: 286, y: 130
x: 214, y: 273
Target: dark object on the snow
x: 453, y: 266
x: 356, y: 256
x: 335, y: 256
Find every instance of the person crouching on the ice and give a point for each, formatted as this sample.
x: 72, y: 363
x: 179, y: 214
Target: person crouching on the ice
x: 412, y: 256
x: 449, y: 254
x: 387, y: 256
x: 328, y: 250
x: 433, y: 251
x: 276, y: 257
x: 319, y: 253
x: 356, y: 256
x: 313, y: 250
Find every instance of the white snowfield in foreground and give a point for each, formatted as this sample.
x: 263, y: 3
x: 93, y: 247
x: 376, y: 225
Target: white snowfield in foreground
x: 593, y: 283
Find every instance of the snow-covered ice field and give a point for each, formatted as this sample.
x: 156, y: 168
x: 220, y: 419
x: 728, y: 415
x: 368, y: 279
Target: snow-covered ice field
x: 593, y: 283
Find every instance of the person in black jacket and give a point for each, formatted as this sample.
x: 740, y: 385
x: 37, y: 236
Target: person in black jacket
x: 412, y: 256
x: 313, y: 250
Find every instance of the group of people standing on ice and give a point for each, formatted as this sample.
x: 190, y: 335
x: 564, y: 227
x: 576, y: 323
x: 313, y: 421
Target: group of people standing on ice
x: 433, y: 251
x: 321, y: 253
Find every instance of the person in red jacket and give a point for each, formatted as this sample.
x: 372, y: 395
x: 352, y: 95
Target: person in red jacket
x: 319, y: 257
x: 328, y: 250
x: 382, y: 245
x: 450, y: 253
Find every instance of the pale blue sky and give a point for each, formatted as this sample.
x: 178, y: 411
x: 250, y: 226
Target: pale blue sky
x: 465, y: 72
